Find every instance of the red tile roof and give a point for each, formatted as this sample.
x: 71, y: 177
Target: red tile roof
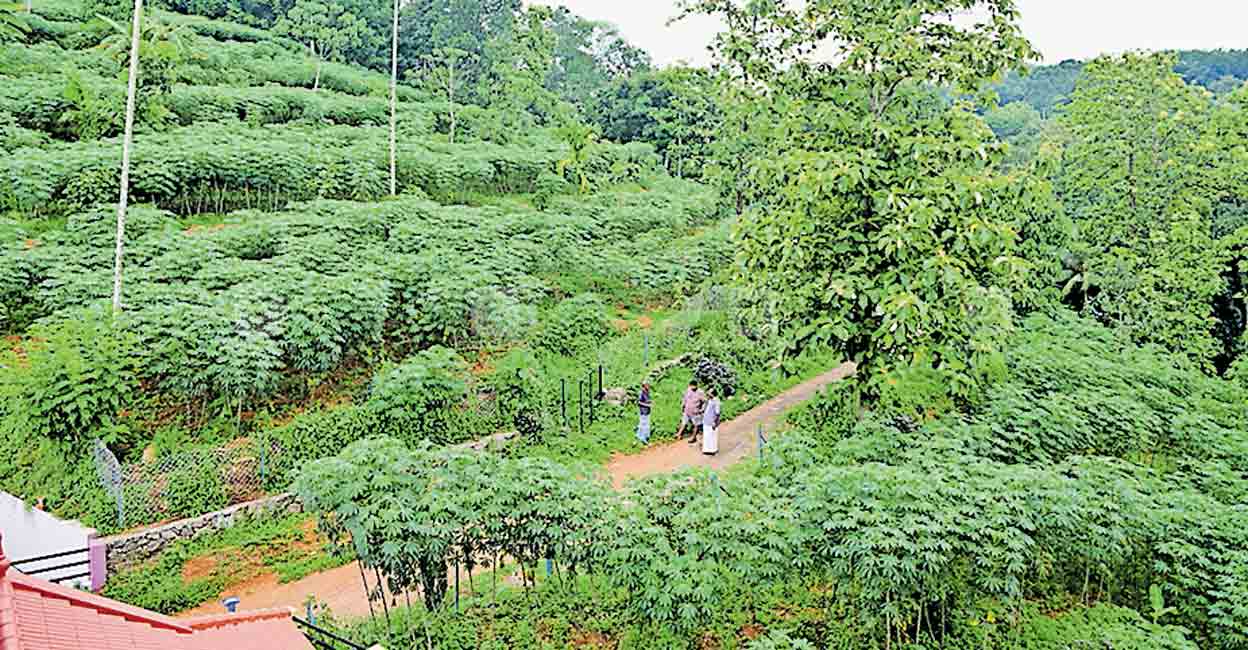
x: 39, y: 615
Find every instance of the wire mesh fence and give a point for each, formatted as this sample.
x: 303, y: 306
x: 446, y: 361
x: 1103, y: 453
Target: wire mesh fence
x: 562, y: 398
x: 184, y: 484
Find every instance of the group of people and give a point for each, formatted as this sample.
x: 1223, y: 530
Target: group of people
x: 699, y: 410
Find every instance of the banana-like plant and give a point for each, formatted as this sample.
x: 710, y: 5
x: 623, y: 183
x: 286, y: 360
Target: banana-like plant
x: 580, y: 139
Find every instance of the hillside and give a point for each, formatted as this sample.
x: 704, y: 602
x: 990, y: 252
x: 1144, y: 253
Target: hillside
x: 981, y: 371
x: 1047, y: 87
x: 268, y: 273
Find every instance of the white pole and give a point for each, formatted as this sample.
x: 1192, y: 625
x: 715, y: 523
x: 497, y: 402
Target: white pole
x: 394, y: 100
x: 126, y: 143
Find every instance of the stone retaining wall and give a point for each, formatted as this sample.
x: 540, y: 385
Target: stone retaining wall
x: 128, y: 549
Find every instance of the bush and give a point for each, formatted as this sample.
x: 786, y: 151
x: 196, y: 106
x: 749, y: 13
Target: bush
x: 70, y: 378
x: 716, y: 374
x: 430, y: 382
x: 574, y: 324
x: 195, y: 490
x: 1101, y: 626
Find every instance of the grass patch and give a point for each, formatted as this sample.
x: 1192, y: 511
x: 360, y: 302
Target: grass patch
x: 192, y: 572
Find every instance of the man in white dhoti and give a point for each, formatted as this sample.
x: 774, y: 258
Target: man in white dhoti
x: 710, y: 422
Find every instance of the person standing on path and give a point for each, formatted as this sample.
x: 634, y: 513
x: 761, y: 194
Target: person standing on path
x: 691, y: 412
x: 710, y: 423
x: 643, y: 414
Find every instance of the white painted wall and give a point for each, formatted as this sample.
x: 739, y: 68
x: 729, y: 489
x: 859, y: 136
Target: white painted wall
x: 30, y: 533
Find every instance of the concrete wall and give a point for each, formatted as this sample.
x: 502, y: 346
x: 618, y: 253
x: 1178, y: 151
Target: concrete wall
x: 32, y: 533
x: 135, y: 547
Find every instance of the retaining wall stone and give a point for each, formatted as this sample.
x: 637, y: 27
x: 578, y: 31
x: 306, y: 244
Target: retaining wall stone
x: 129, y: 549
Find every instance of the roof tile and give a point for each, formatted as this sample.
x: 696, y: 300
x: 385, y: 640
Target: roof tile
x: 39, y: 615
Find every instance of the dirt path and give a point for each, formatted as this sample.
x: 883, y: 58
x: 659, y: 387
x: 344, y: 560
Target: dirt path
x: 737, y: 437
x: 341, y: 589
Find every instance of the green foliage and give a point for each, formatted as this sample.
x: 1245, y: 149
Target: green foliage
x: 524, y: 509
x: 195, y: 490
x: 424, y: 385
x: 1136, y: 180
x: 899, y: 252
x: 71, y: 379
x: 328, y: 28
x: 1100, y: 626
x: 675, y: 109
x: 779, y: 640
x: 574, y: 324
x: 92, y: 114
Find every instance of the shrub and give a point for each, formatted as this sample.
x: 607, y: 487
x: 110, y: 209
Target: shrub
x: 572, y: 325
x: 498, y: 318
x: 717, y: 374
x: 429, y: 382
x: 195, y: 490
x: 72, y: 377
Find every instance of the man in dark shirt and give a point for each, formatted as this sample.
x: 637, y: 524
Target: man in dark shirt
x: 643, y: 414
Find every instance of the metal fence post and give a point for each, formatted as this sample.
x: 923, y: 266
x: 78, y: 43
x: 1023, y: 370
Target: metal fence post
x: 563, y: 399
x: 645, y: 355
x: 591, y: 397
x: 762, y: 441
x: 264, y: 457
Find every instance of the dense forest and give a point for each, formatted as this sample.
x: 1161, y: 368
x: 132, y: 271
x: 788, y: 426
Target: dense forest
x: 354, y: 235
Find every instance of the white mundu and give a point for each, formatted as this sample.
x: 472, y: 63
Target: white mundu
x: 710, y: 427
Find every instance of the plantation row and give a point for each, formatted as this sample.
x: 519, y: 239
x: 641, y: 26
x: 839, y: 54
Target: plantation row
x: 938, y: 532
x: 39, y: 103
x: 221, y: 167
x: 224, y: 53
x: 224, y: 311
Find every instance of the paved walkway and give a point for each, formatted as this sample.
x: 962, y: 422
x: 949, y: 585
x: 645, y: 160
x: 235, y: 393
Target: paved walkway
x: 343, y: 591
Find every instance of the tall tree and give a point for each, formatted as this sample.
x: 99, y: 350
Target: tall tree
x: 1136, y: 179
x: 520, y: 63
x: 873, y: 219
x: 444, y: 76
x: 327, y: 27
x: 466, y: 25
x: 677, y: 109
x: 588, y: 57
x: 126, y: 143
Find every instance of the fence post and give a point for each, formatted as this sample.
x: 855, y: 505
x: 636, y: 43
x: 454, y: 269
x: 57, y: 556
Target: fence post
x: 645, y: 355
x: 601, y: 393
x: 264, y: 457
x: 580, y: 405
x: 109, y: 472
x: 762, y: 441
x: 563, y: 400
x: 591, y: 397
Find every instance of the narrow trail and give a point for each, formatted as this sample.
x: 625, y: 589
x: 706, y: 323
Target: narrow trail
x: 341, y: 589
x: 737, y: 437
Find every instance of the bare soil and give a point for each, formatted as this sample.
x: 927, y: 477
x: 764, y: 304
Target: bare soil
x: 342, y: 591
x: 738, y: 437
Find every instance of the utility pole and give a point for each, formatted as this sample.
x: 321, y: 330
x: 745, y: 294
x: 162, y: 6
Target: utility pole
x: 126, y: 144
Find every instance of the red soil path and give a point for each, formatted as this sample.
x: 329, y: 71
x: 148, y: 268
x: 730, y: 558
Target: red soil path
x: 341, y: 589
